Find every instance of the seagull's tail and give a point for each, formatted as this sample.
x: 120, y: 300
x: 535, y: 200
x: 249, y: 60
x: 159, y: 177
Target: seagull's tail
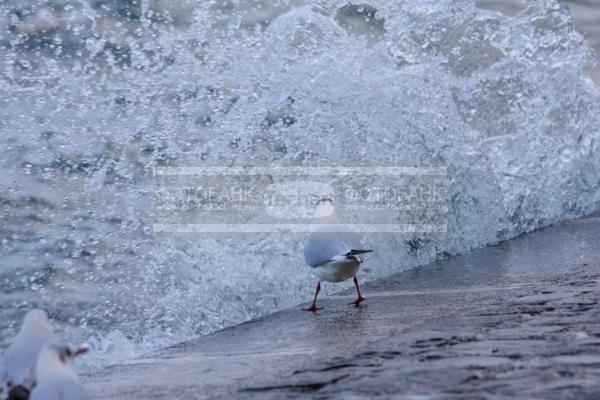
x: 356, y: 252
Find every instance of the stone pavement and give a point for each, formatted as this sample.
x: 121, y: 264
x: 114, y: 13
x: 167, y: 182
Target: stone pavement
x: 518, y: 320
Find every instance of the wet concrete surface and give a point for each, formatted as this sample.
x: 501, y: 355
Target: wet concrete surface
x: 521, y: 319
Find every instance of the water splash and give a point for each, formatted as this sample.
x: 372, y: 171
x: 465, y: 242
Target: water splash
x: 96, y: 100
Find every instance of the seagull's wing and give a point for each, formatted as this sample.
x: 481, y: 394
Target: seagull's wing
x: 328, y: 242
x: 351, y: 240
x: 18, y: 362
x: 47, y: 390
x: 322, y: 247
x: 19, y: 359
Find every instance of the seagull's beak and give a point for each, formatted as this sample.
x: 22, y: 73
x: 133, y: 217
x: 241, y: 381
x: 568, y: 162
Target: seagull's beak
x: 80, y: 351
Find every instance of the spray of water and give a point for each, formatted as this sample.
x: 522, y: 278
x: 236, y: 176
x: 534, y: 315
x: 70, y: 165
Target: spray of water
x: 95, y: 97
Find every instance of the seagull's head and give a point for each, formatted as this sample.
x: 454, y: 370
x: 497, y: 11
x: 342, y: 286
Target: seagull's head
x: 67, y: 355
x: 324, y: 208
x: 56, y: 359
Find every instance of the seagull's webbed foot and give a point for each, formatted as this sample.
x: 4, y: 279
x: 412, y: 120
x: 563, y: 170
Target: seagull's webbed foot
x: 358, y: 300
x: 313, y: 308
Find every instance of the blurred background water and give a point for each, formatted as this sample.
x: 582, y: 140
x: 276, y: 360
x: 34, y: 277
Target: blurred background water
x: 96, y: 93
x: 586, y: 18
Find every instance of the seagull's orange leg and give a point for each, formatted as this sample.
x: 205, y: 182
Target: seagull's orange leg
x: 359, y: 299
x: 314, y: 307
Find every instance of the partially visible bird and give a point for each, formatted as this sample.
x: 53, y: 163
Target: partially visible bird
x: 333, y: 253
x: 17, y: 371
x: 55, y: 378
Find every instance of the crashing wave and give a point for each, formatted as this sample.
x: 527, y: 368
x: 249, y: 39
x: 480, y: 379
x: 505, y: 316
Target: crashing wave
x: 92, y: 105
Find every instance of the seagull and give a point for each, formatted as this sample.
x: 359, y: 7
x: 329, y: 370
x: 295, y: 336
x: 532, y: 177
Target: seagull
x: 17, y: 371
x: 333, y: 253
x: 56, y: 379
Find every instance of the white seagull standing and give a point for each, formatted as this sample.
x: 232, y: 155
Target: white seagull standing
x: 17, y: 371
x: 333, y: 254
x: 56, y: 379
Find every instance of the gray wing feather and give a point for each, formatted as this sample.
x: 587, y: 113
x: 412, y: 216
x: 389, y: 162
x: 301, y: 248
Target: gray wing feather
x: 323, y: 246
